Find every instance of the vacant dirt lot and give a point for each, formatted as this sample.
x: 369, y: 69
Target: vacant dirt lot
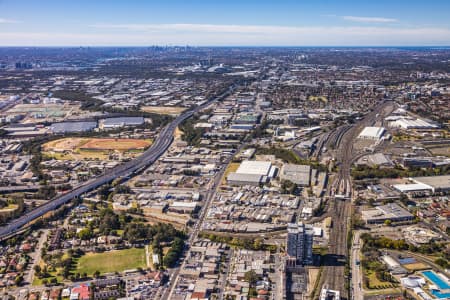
x: 115, y: 144
x: 93, y: 148
x: 164, y: 110
x: 67, y: 144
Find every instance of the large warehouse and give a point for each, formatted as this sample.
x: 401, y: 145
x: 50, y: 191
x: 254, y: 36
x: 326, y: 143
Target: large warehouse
x: 438, y: 184
x: 433, y: 184
x: 255, y: 167
x: 298, y: 174
x: 66, y: 127
x: 252, y: 172
x: 119, y: 122
x: 392, y: 212
x: 371, y: 133
x: 410, y: 123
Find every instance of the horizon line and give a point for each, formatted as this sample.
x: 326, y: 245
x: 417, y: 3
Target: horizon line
x: 224, y: 46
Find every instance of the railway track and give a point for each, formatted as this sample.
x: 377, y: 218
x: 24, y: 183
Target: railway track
x: 341, y: 188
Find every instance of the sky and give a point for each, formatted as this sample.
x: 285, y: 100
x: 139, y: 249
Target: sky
x: 225, y: 22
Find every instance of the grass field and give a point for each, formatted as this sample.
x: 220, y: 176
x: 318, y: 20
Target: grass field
x: 318, y: 98
x: 52, y: 274
x: 66, y: 144
x: 39, y: 281
x: 164, y: 110
x: 416, y: 266
x: 112, y: 261
x: 232, y: 167
x: 375, y: 283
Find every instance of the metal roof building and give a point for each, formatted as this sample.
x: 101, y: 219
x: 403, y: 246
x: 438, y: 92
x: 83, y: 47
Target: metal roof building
x: 65, y: 127
x: 122, y: 121
x: 437, y: 183
x: 409, y: 123
x: 392, y: 212
x: 255, y: 167
x: 245, y: 179
x: 412, y: 187
x: 372, y: 133
x: 252, y: 172
x: 298, y: 174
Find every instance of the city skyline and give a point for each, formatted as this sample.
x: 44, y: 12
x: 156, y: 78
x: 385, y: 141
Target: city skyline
x: 233, y: 23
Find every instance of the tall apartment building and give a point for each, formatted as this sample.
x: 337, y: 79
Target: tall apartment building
x: 300, y: 242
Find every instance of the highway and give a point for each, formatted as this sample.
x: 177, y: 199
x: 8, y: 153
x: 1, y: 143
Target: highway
x: 160, y: 145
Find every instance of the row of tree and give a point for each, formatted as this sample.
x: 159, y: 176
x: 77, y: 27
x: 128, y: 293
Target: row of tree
x: 176, y: 249
x: 365, y: 172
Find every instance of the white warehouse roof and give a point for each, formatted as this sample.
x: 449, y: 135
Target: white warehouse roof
x: 407, y: 123
x: 254, y: 167
x: 372, y: 132
x: 412, y: 187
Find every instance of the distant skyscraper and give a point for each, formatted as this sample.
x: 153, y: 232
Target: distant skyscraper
x: 300, y: 242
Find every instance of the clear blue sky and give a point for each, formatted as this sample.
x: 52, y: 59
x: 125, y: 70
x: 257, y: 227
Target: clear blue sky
x: 228, y: 22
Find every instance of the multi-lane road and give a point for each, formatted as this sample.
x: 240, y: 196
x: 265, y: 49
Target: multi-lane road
x: 160, y: 145
x: 357, y: 277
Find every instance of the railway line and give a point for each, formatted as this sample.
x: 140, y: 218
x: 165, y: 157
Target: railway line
x: 334, y: 276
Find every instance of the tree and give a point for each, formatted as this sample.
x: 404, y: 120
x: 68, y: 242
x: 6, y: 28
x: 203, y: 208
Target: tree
x: 251, y: 277
x: 123, y: 189
x: 18, y: 280
x: 258, y: 244
x: 97, y: 274
x: 441, y: 262
x: 37, y: 269
x: 85, y: 234
x: 174, y: 253
x: 387, y: 222
x: 104, y: 191
x: 357, y: 221
x: 108, y: 221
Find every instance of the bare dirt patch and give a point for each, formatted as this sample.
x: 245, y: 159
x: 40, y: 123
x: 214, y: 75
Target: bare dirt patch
x: 164, y: 110
x: 115, y: 144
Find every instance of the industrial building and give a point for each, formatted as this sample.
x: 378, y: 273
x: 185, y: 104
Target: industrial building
x: 407, y: 188
x: 391, y: 211
x: 410, y: 123
x: 438, y: 184
x: 372, y: 133
x: 111, y: 123
x: 432, y: 184
x: 255, y: 167
x: 327, y: 294
x: 246, y: 179
x: 67, y: 127
x: 376, y: 159
x: 417, y: 162
x: 251, y: 172
x: 298, y: 174
x: 300, y: 242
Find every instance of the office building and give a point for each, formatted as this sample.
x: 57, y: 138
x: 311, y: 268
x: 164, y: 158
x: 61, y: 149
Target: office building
x: 300, y: 242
